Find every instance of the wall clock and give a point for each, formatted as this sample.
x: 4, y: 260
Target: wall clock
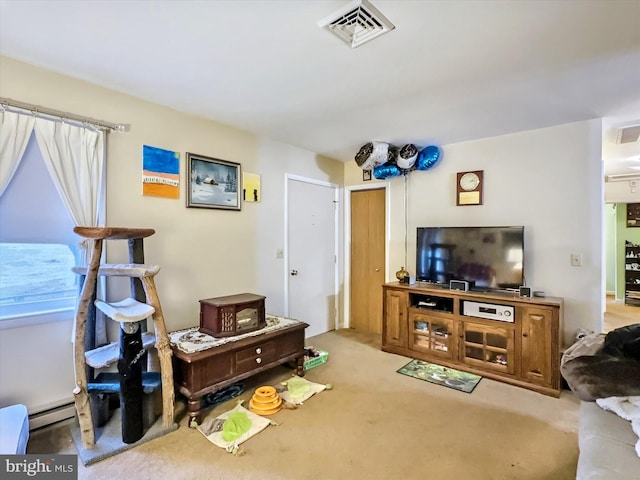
x: 469, y: 188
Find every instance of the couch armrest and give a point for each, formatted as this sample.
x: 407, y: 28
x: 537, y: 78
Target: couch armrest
x: 607, y: 446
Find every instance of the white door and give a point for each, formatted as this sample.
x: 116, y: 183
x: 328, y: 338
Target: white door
x: 312, y: 253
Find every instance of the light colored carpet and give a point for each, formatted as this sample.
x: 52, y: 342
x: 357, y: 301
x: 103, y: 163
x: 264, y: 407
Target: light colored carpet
x: 374, y: 424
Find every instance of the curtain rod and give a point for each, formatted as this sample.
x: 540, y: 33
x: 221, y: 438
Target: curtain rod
x: 36, y: 109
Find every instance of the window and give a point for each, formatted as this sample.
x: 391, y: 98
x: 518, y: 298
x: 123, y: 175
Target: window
x: 38, y: 248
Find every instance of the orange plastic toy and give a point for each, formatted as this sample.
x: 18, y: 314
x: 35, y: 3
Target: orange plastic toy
x: 265, y: 401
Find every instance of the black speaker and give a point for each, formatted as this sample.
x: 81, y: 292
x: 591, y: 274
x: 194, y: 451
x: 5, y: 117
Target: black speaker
x: 525, y: 292
x: 459, y: 285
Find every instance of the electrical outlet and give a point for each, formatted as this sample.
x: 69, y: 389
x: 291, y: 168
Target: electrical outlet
x: 576, y: 259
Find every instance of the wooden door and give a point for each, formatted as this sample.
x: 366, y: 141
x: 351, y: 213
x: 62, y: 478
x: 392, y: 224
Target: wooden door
x: 536, y: 345
x: 395, y: 318
x: 367, y: 259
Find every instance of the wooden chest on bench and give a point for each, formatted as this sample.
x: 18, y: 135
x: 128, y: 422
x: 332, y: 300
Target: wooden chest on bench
x: 232, y: 315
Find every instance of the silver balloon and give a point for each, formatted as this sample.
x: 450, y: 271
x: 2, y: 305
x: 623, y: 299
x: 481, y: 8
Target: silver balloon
x: 372, y: 154
x: 407, y: 157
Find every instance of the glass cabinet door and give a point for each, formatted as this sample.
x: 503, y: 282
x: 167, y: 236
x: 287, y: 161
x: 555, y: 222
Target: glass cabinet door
x: 431, y: 334
x: 488, y: 346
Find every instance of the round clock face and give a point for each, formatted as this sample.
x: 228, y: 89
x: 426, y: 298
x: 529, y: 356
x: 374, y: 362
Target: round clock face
x: 469, y: 181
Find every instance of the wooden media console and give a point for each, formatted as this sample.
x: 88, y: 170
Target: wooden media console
x: 497, y: 335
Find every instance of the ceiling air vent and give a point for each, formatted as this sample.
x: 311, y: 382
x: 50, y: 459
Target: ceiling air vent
x: 628, y: 134
x: 357, y: 23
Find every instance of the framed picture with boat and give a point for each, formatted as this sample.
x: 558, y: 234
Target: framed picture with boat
x: 213, y: 183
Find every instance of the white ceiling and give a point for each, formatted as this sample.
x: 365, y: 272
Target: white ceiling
x: 450, y: 71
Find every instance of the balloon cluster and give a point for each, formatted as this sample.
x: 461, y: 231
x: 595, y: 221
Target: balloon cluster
x: 388, y: 161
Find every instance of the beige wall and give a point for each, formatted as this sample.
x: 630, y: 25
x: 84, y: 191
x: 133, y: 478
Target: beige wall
x: 549, y: 180
x: 203, y: 253
x: 627, y: 191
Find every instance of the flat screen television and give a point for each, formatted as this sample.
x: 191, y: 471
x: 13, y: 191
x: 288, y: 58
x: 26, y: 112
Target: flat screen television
x: 489, y: 258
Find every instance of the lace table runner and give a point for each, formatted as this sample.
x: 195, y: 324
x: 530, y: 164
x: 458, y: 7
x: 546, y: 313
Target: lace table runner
x: 191, y: 340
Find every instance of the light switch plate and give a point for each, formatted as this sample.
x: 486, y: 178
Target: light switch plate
x: 576, y: 259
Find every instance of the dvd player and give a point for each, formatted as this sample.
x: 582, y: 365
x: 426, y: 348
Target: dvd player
x: 502, y: 313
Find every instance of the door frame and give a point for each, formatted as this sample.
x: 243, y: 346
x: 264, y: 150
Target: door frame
x: 347, y: 239
x: 336, y: 199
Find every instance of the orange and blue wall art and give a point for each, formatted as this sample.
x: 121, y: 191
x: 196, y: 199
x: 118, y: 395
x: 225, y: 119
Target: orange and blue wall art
x: 160, y: 172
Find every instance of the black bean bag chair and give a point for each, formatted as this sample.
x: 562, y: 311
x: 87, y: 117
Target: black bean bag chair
x: 601, y: 366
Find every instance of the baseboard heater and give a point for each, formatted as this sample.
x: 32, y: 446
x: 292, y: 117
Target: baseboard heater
x: 52, y: 415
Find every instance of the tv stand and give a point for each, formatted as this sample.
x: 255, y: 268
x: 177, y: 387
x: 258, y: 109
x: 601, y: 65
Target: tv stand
x: 497, y: 335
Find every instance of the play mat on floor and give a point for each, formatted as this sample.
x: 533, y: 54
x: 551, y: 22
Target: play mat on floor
x: 239, y: 424
x: 449, y: 377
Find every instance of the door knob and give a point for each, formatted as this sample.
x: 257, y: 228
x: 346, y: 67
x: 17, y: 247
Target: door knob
x: 294, y: 272
x: 377, y: 269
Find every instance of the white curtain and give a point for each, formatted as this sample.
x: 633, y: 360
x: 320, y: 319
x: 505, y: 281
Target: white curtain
x: 15, y: 131
x: 74, y: 157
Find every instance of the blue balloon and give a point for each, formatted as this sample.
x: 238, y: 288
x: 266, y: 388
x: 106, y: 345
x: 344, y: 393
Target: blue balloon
x: 427, y: 158
x: 386, y: 170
